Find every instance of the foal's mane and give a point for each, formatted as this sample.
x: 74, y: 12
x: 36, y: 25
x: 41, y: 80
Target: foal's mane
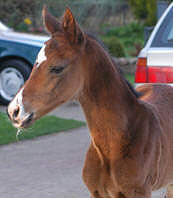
x: 135, y: 93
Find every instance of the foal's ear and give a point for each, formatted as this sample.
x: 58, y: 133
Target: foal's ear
x: 50, y: 22
x: 71, y: 28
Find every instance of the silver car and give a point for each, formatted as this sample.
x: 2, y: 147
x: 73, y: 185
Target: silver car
x: 155, y: 61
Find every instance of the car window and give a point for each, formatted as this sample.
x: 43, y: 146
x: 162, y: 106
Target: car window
x: 164, y: 35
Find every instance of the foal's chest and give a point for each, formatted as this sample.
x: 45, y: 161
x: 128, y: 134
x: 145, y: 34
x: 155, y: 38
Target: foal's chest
x: 110, y: 181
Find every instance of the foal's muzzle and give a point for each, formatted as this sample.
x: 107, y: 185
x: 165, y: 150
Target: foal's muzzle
x: 17, y: 114
x: 17, y: 120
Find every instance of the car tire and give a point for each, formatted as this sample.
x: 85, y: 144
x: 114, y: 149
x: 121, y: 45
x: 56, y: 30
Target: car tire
x: 13, y: 74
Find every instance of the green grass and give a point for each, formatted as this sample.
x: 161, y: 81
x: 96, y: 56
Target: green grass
x: 44, y: 126
x: 130, y: 78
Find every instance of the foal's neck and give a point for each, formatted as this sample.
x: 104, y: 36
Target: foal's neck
x: 106, y: 100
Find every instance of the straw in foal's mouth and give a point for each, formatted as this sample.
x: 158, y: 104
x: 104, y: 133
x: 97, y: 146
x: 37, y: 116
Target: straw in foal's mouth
x: 17, y: 134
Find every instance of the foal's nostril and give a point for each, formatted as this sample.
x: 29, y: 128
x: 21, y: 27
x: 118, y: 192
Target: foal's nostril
x: 16, y: 112
x: 29, y: 119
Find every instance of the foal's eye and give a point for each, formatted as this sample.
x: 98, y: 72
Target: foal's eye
x: 56, y: 69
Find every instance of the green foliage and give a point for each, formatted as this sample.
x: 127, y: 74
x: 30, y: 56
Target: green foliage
x: 46, y: 125
x: 139, y: 8
x: 13, y: 12
x: 130, y: 78
x: 145, y: 10
x: 151, y: 9
x: 129, y: 35
x: 115, y: 47
x: 91, y: 14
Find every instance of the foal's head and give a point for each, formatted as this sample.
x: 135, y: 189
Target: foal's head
x: 55, y: 77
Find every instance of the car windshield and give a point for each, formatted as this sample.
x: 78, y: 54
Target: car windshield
x: 164, y: 36
x: 3, y: 27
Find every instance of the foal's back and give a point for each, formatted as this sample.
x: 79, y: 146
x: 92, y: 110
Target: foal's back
x: 160, y: 98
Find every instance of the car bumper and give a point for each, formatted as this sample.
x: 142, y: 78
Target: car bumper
x: 140, y: 84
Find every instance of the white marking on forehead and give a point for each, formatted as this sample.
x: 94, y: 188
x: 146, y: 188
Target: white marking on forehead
x: 41, y: 57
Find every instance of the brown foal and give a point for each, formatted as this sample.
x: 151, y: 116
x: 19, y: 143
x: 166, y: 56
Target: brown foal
x: 131, y: 150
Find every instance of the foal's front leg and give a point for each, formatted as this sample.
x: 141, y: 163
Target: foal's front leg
x: 96, y: 195
x: 145, y: 193
x: 121, y: 195
x: 92, y: 172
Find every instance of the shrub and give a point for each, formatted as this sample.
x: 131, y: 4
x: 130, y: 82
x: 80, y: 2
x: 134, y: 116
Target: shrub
x: 128, y: 35
x: 115, y: 46
x: 137, y: 48
x: 152, y: 9
x: 14, y: 12
x: 132, y: 30
x: 144, y: 10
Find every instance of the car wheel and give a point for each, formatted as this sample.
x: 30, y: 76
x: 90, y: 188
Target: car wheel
x: 13, y: 74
